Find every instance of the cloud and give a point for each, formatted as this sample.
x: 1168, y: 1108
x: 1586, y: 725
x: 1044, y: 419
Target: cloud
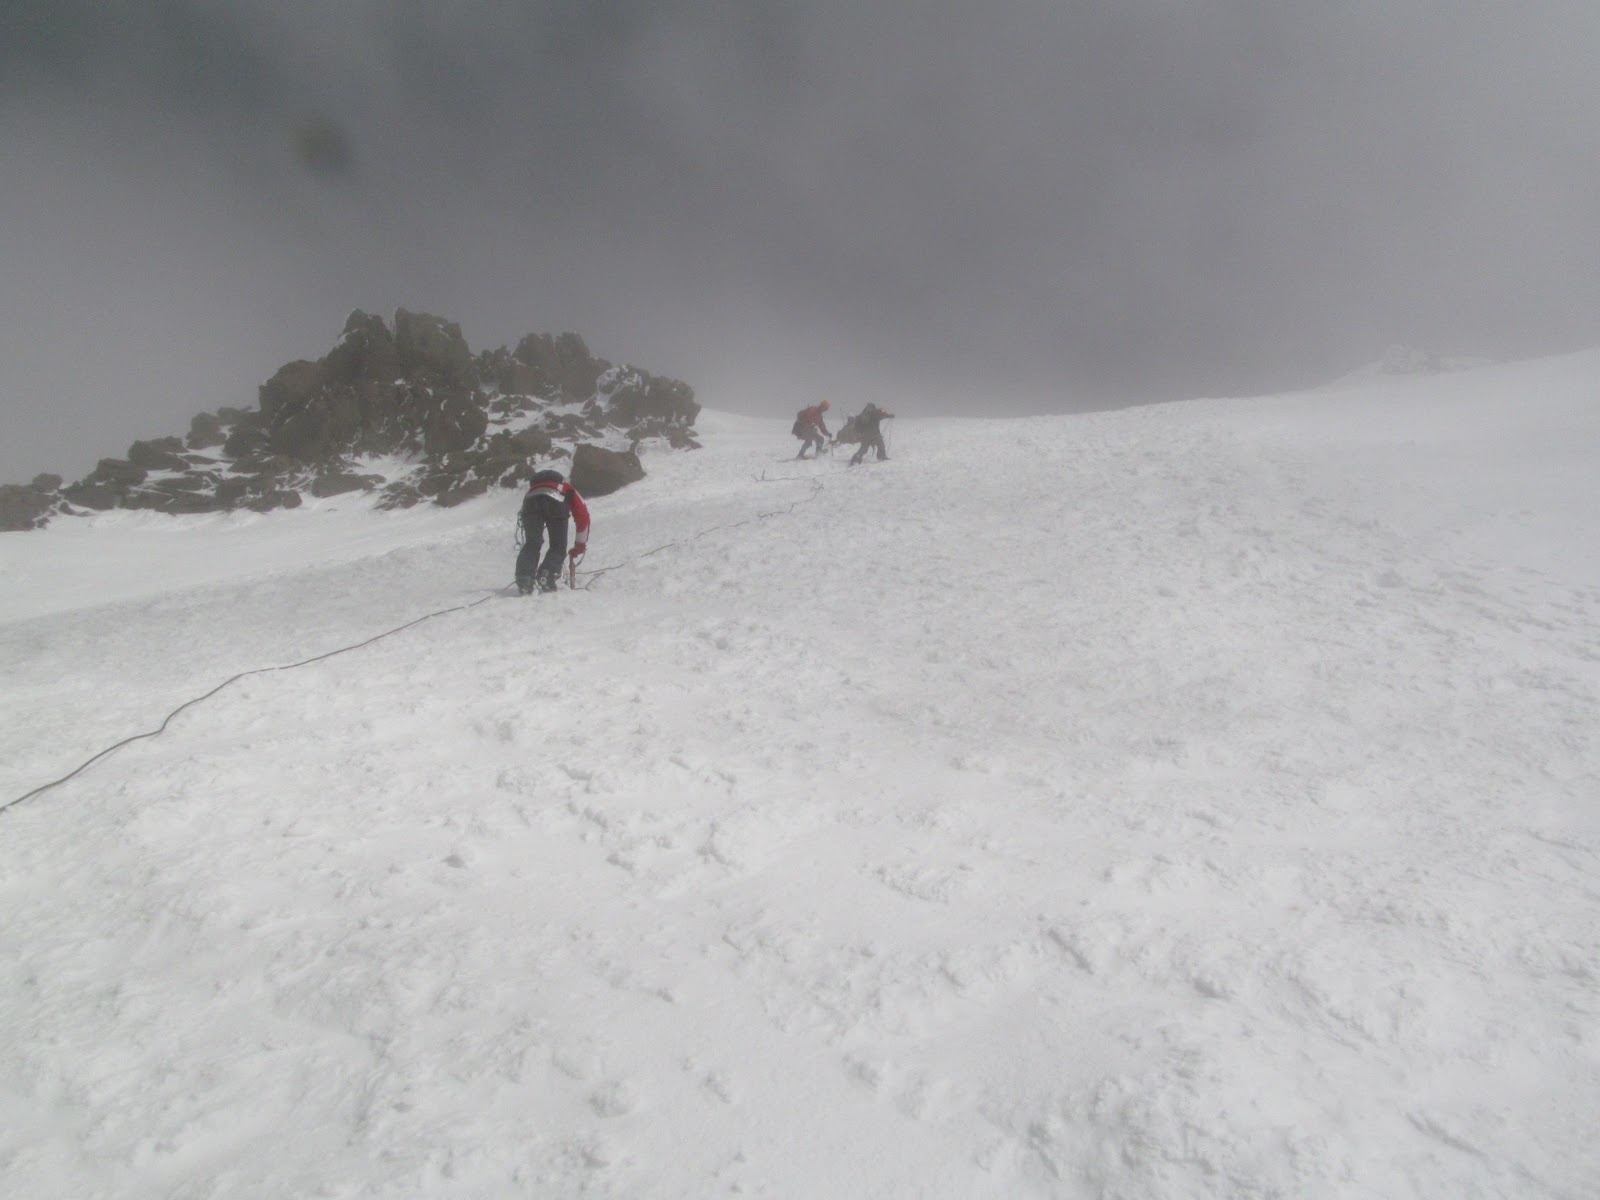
x: 1020, y: 206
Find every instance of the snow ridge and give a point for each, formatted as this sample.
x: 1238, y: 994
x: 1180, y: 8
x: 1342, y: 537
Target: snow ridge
x: 1185, y: 801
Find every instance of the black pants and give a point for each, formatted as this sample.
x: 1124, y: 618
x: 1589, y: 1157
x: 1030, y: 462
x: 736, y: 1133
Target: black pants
x: 869, y: 439
x: 541, y: 515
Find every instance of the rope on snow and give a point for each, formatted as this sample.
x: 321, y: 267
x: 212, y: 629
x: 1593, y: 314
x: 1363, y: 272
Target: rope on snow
x: 816, y: 489
x: 234, y: 679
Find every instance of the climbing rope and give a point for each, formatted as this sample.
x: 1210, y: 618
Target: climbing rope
x: 816, y: 489
x: 87, y: 763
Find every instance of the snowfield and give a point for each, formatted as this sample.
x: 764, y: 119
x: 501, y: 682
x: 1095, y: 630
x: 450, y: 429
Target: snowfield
x: 1200, y: 800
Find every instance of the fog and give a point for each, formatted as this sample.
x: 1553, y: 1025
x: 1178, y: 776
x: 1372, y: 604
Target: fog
x: 946, y: 207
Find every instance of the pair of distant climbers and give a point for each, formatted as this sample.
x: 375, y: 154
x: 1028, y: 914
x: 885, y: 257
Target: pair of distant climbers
x: 551, y: 500
x: 865, y: 427
x: 545, y: 509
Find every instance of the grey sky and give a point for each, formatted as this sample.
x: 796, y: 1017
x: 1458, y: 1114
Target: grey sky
x: 988, y: 208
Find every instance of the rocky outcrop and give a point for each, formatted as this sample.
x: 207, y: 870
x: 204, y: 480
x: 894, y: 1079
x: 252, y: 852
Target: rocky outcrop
x: 560, y: 365
x: 162, y: 454
x: 96, y: 496
x: 28, y: 506
x: 205, y: 431
x: 636, y: 399
x: 338, y: 483
x: 444, y: 425
x: 597, y: 471
x: 432, y: 352
x: 365, y: 352
x: 116, y: 473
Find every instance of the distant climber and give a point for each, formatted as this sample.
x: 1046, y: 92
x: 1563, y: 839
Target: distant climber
x: 811, y: 428
x: 867, y: 428
x: 550, y: 500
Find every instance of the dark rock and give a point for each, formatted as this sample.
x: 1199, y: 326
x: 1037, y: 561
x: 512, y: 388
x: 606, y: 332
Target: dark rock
x: 465, y: 490
x: 365, y: 353
x: 512, y: 406
x: 23, y: 507
x: 537, y: 352
x: 310, y: 416
x: 269, y: 471
x: 436, y: 484
x: 432, y: 350
x: 267, y: 501
x: 579, y: 369
x: 174, y: 503
x: 271, y: 479
x: 384, y: 417
x: 523, y: 443
x: 47, y: 483
x: 291, y: 389
x: 513, y: 377
x: 599, y: 472
x: 560, y: 363
x: 520, y: 473
x: 245, y: 442
x: 141, y: 498
x: 400, y: 494
x: 182, y: 505
x: 518, y: 379
x: 337, y: 485
x: 183, y: 483
x: 568, y: 425
x: 320, y: 429
x: 231, y: 491
x: 454, y: 423
x: 117, y: 473
x: 159, y: 455
x: 205, y: 431
x: 92, y: 495
x: 634, y: 396
x: 232, y: 416
x: 678, y: 439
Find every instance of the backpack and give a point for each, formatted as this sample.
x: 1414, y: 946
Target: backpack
x: 544, y: 501
x: 800, y: 426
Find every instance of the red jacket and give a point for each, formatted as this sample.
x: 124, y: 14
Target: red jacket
x: 569, y: 499
x: 813, y: 416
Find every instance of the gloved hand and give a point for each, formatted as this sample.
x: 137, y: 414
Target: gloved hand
x: 576, y: 553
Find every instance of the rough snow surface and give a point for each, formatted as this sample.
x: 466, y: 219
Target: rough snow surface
x: 1190, y: 801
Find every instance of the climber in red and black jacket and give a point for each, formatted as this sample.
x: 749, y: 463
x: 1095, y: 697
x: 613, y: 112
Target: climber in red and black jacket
x: 549, y: 501
x: 812, y: 428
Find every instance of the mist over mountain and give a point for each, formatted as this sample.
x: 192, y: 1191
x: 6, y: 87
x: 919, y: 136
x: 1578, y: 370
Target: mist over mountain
x: 1023, y: 207
x: 407, y: 411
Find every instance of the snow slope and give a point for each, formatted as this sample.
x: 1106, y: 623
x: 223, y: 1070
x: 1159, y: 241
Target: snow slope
x: 1187, y: 801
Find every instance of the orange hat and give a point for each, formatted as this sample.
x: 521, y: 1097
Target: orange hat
x: 825, y: 404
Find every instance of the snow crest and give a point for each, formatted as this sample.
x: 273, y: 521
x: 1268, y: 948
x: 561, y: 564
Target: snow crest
x: 1186, y: 801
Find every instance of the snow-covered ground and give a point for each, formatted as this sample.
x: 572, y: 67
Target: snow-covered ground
x: 1200, y: 800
